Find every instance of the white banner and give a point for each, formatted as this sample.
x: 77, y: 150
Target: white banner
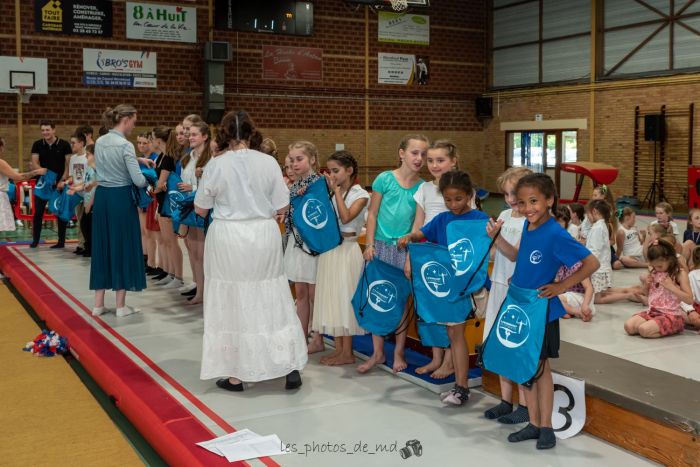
x: 123, y: 68
x: 158, y: 22
x: 396, y: 68
x: 403, y: 28
x: 569, y: 414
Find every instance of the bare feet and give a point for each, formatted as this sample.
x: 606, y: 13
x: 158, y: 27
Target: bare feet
x: 566, y: 316
x: 341, y: 360
x: 430, y: 367
x: 399, y: 363
x: 369, y: 364
x: 445, y: 370
x: 196, y: 301
x: 327, y: 358
x: 315, y: 347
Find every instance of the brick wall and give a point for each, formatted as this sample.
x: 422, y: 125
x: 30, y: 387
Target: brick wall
x: 326, y: 112
x: 613, y: 128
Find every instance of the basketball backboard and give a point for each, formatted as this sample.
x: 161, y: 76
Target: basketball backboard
x: 29, y: 73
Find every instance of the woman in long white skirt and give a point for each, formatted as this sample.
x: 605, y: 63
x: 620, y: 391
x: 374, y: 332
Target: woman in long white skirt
x: 251, y: 329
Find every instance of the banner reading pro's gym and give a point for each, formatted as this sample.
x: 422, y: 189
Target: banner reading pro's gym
x: 468, y: 244
x: 120, y: 68
x: 80, y: 17
x: 315, y: 219
x: 380, y: 298
x: 159, y: 22
x: 435, y: 290
x: 516, y: 336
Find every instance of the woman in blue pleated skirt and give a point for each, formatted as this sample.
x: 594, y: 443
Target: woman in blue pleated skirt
x: 117, y: 255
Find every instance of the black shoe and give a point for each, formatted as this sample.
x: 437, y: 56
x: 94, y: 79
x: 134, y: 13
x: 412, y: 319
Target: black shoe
x: 154, y: 271
x: 149, y: 270
x: 57, y: 246
x: 293, y: 380
x: 224, y: 383
x: 160, y: 276
x: 191, y: 293
x: 87, y: 254
x: 34, y: 245
x: 79, y: 251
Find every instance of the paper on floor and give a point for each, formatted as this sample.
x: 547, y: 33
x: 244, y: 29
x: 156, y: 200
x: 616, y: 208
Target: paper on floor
x: 244, y: 444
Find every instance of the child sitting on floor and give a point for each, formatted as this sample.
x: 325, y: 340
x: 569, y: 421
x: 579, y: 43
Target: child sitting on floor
x: 667, y: 287
x: 629, y: 241
x: 694, y: 279
x: 578, y: 299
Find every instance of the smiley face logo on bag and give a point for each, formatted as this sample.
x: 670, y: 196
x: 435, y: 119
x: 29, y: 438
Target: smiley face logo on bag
x: 513, y: 327
x: 436, y: 278
x: 462, y: 255
x: 382, y: 296
x: 54, y: 204
x: 314, y: 214
x: 175, y: 198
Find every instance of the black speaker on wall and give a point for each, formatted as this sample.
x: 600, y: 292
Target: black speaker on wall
x: 654, y: 127
x: 484, y: 107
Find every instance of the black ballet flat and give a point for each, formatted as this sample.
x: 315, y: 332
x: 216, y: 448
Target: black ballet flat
x: 293, y: 380
x: 191, y: 293
x: 224, y: 383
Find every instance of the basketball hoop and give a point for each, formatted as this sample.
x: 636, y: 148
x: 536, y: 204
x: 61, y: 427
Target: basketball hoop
x: 399, y: 5
x: 22, y: 91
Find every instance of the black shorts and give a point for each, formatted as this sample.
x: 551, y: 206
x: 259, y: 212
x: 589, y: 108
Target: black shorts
x: 550, y: 343
x: 613, y: 255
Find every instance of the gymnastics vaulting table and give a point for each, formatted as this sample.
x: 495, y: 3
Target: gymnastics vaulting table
x: 600, y: 174
x: 165, y: 423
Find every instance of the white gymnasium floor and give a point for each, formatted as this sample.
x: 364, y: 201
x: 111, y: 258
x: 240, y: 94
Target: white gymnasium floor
x: 605, y: 333
x: 334, y: 405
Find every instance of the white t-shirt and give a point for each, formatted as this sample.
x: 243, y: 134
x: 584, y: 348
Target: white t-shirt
x: 632, y: 245
x: 598, y: 242
x: 574, y: 230
x: 674, y: 227
x: 188, y: 171
x: 77, y: 167
x: 242, y: 185
x: 429, y: 198
x: 694, y: 278
x: 584, y: 228
x: 356, y: 192
x: 511, y: 231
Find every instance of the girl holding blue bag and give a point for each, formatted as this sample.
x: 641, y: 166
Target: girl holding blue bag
x: 392, y: 210
x: 7, y: 173
x: 544, y: 247
x: 457, y: 189
x: 340, y: 269
x: 300, y: 264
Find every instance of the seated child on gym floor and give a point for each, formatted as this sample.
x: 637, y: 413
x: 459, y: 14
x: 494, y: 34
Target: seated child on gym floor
x: 667, y: 287
x: 577, y: 300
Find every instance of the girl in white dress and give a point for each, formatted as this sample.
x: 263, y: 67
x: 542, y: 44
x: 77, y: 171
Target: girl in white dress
x: 598, y: 242
x: 442, y: 157
x: 251, y: 330
x: 7, y: 220
x: 340, y: 269
x: 629, y: 241
x: 299, y: 264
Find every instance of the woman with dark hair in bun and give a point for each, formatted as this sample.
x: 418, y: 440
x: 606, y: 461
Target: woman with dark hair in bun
x: 117, y: 254
x: 251, y: 329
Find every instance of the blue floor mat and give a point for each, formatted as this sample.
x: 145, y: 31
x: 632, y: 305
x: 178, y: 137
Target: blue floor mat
x: 363, y: 345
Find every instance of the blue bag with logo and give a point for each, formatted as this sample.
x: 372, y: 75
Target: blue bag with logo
x: 468, y: 245
x: 183, y: 211
x: 315, y: 219
x: 46, y: 186
x: 63, y: 205
x: 12, y: 192
x: 514, y: 345
x: 433, y: 334
x: 435, y: 291
x: 380, y: 298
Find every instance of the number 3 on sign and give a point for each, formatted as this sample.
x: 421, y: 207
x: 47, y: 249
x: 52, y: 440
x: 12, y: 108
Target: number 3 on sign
x: 569, y: 414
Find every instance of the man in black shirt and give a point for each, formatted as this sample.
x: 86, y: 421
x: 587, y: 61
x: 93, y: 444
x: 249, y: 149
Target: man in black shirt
x: 51, y: 153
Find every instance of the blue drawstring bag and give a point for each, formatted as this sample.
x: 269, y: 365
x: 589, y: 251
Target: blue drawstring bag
x: 514, y: 345
x: 150, y: 174
x: 315, y: 219
x: 142, y: 199
x: 435, y: 291
x: 46, y: 186
x: 380, y: 298
x: 63, y: 205
x: 183, y: 211
x: 12, y: 193
x: 433, y: 334
x: 468, y: 245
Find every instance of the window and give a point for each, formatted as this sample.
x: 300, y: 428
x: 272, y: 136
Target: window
x: 540, y: 41
x: 534, y: 149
